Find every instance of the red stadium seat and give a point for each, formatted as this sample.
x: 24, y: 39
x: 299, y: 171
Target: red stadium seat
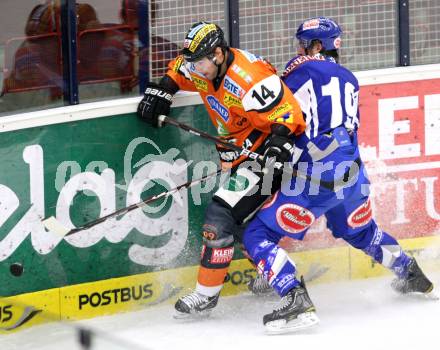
x: 31, y: 63
x: 106, y: 54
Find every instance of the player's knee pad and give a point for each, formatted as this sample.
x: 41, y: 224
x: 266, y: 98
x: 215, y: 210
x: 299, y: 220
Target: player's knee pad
x: 362, y: 238
x: 218, y: 239
x: 219, y: 226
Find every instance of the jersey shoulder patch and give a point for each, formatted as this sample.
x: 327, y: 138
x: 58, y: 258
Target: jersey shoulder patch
x: 263, y: 95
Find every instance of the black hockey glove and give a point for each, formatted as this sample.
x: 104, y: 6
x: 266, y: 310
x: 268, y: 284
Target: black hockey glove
x: 227, y: 155
x: 157, y: 101
x: 279, y: 147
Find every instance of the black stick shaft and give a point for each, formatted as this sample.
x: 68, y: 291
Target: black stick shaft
x: 194, y: 131
x: 226, y: 144
x: 141, y: 204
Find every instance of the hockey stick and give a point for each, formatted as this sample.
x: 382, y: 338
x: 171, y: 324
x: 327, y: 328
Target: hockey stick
x: 54, y: 225
x: 241, y: 150
x: 253, y: 155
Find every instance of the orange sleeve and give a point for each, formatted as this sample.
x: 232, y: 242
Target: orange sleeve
x: 178, y: 72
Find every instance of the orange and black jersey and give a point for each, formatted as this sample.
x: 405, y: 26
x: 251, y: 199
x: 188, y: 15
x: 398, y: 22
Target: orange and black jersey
x: 246, y: 101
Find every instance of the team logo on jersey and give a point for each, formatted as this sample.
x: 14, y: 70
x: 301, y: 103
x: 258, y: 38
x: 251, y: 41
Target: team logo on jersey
x: 242, y: 73
x: 218, y: 107
x: 230, y: 101
x: 279, y: 110
x: 286, y: 118
x: 200, y: 84
x: 294, y: 218
x: 361, y: 215
x: 233, y: 87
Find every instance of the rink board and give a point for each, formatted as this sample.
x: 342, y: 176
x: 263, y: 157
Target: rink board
x: 144, y: 290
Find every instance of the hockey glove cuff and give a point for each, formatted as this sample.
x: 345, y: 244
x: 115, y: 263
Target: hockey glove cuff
x: 279, y: 146
x: 227, y: 156
x: 157, y: 101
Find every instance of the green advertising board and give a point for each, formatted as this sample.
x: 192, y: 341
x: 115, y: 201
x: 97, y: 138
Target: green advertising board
x: 80, y: 170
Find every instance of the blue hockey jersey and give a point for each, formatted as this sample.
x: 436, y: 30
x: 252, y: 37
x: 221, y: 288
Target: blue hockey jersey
x: 328, y: 96
x: 327, y: 93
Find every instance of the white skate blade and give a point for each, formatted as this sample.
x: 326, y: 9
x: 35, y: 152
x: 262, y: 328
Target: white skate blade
x: 305, y: 320
x: 192, y: 316
x: 432, y: 296
x: 420, y: 296
x: 266, y: 293
x: 426, y: 296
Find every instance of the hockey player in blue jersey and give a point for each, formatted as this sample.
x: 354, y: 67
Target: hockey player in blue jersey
x: 330, y: 180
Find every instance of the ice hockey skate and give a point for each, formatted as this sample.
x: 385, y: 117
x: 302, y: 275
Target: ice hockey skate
x: 195, y: 305
x: 260, y: 286
x: 415, y: 281
x: 295, y: 312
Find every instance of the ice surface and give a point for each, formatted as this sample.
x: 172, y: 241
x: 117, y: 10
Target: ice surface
x: 363, y: 314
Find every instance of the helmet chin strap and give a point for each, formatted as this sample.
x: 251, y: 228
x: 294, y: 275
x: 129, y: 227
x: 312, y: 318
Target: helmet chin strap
x: 214, y: 60
x: 219, y: 66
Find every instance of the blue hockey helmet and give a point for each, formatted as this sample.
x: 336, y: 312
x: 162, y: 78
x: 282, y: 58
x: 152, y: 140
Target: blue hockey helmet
x: 324, y: 29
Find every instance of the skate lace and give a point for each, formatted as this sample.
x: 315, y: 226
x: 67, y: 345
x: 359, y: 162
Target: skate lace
x: 285, y: 302
x: 194, y: 299
x: 260, y: 283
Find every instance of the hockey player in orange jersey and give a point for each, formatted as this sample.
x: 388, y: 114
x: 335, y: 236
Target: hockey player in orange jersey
x: 249, y: 106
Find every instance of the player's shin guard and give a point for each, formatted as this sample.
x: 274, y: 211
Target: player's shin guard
x: 258, y: 285
x: 383, y: 248
x: 213, y: 269
x: 276, y: 267
x: 212, y: 272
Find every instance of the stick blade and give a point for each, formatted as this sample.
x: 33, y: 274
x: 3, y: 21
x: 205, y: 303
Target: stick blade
x: 52, y: 224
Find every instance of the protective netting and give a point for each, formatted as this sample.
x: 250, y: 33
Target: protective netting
x: 170, y: 20
x: 370, y: 29
x: 424, y: 31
